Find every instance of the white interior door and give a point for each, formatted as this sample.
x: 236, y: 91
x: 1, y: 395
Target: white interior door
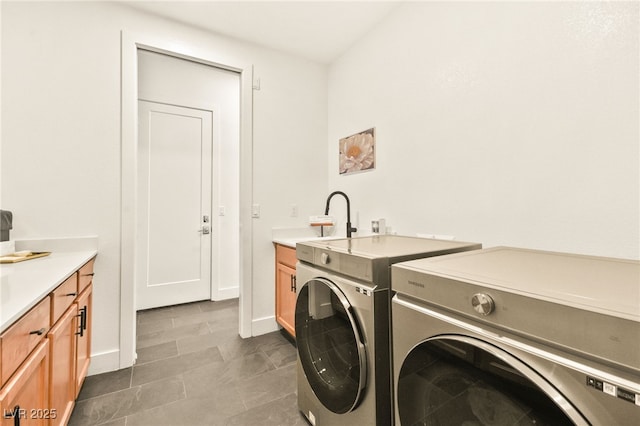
x: 174, y: 207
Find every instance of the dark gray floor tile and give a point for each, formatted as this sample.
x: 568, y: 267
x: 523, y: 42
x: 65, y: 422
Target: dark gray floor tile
x: 281, y: 412
x: 153, y: 315
x: 122, y: 403
x: 273, y: 339
x: 200, y: 381
x: 245, y: 367
x: 191, y: 412
x: 156, y: 352
x: 194, y: 369
x: 186, y: 309
x: 281, y: 355
x: 226, y: 317
x: 149, y: 327
x: 175, y: 333
x: 220, y: 304
x: 267, y: 387
x: 168, y: 367
x: 238, y: 347
x: 195, y: 343
x: 121, y: 421
x: 101, y: 384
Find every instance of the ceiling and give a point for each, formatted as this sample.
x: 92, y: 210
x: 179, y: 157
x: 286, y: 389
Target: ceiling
x: 317, y: 30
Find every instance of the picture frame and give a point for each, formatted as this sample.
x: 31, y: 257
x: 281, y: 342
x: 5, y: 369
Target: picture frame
x: 357, y: 153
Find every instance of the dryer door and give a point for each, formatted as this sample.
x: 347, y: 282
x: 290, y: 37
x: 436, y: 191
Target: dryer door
x: 330, y: 345
x: 453, y: 379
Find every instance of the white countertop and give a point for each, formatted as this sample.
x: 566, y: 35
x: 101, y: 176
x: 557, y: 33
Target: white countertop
x: 291, y: 236
x: 24, y: 284
x: 291, y: 242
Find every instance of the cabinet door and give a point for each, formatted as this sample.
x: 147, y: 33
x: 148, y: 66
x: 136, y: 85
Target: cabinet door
x: 83, y: 336
x: 62, y: 362
x: 286, y: 297
x: 24, y: 399
x: 23, y: 337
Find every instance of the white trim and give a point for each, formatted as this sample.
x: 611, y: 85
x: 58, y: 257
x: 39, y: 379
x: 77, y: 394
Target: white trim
x: 104, y: 362
x: 264, y: 325
x: 130, y: 42
x: 226, y: 293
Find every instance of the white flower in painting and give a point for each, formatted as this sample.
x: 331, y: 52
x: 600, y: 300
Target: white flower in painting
x: 356, y: 153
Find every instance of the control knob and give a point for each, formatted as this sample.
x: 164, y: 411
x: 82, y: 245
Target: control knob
x: 325, y: 259
x: 483, y: 303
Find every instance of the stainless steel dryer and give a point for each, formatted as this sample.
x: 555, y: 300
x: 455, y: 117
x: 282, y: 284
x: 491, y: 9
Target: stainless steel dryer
x: 506, y: 336
x: 342, y: 325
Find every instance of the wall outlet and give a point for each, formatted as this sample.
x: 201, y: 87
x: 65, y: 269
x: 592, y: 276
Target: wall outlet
x: 255, y: 211
x: 221, y: 211
x: 294, y: 210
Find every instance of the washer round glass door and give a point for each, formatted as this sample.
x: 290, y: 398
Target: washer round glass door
x: 461, y: 380
x: 330, y: 345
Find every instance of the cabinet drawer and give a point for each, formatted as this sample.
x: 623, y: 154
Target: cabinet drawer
x: 24, y: 335
x: 85, y: 275
x: 63, y: 296
x: 286, y: 255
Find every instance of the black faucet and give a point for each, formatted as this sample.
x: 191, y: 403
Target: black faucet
x: 326, y: 211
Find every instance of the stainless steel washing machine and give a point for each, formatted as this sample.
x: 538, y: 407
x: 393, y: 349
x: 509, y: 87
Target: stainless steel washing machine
x: 342, y: 325
x: 507, y: 336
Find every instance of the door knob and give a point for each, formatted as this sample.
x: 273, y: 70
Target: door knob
x: 205, y: 230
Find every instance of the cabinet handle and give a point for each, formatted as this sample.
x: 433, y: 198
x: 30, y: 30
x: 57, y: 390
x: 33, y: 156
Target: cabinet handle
x: 38, y: 332
x: 88, y: 275
x: 293, y: 283
x: 16, y: 413
x: 83, y: 321
x: 71, y: 294
x: 84, y: 318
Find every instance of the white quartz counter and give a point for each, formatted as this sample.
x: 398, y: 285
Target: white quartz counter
x: 291, y: 242
x: 291, y: 236
x: 24, y: 284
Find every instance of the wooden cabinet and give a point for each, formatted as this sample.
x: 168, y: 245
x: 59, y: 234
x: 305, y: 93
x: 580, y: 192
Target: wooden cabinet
x: 286, y: 288
x: 85, y: 275
x: 63, y: 296
x: 45, y: 355
x: 62, y: 374
x: 22, y: 337
x: 24, y: 400
x: 83, y: 333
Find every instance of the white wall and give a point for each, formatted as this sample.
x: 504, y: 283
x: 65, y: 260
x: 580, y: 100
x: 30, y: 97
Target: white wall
x: 506, y: 123
x: 60, y: 168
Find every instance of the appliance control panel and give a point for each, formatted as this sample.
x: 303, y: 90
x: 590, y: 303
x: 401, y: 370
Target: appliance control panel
x: 613, y: 390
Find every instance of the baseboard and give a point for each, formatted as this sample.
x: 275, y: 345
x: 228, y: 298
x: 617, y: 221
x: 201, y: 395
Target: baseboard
x: 104, y: 362
x: 263, y: 326
x: 227, y: 293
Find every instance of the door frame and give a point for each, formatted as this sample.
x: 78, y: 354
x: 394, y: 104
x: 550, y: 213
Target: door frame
x: 130, y: 43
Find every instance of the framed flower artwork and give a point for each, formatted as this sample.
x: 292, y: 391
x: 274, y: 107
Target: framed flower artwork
x: 357, y: 152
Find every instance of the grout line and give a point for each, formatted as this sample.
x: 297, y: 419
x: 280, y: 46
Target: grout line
x: 131, y: 377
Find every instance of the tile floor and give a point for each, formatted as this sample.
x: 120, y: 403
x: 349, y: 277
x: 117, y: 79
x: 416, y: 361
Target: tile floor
x: 194, y: 369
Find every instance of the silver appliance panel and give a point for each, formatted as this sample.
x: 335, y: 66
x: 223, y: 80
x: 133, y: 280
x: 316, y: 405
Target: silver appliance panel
x: 586, y: 391
x: 369, y: 258
x: 583, y: 304
x: 369, y: 305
